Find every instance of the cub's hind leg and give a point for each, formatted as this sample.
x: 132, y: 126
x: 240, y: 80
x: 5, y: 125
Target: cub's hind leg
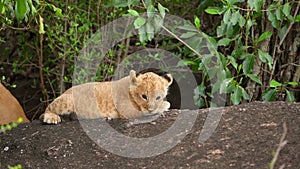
x: 62, y: 105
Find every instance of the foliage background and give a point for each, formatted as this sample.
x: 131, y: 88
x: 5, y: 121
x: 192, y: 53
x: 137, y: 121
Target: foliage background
x: 257, y: 43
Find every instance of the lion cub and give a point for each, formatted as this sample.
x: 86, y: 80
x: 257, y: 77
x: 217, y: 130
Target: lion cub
x: 130, y: 97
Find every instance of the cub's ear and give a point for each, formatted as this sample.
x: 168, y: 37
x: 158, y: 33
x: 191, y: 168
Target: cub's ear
x: 132, y: 77
x: 169, y: 78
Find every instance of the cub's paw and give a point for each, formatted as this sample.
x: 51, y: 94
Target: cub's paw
x: 164, y: 106
x: 50, y: 118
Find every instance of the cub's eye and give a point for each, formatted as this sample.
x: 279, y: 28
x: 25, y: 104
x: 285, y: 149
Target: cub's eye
x: 158, y: 97
x: 144, y: 97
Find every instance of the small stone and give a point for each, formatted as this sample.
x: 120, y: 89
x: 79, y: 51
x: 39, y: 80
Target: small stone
x: 6, y: 148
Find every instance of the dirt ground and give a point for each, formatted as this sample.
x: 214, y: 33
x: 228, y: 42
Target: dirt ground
x: 246, y: 137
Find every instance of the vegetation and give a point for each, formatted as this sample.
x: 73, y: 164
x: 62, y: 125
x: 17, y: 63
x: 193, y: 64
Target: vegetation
x: 254, y: 45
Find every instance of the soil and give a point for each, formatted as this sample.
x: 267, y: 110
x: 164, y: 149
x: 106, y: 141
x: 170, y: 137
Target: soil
x: 246, y: 136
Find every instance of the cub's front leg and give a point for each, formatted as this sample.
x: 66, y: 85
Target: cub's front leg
x: 62, y: 105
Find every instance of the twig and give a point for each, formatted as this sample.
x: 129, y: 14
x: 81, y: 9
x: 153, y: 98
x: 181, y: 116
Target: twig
x: 175, y: 36
x: 41, y: 66
x: 281, y: 144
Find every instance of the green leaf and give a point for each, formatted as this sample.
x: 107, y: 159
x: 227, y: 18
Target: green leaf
x: 21, y: 8
x: 122, y: 3
x: 197, y: 22
x: 2, y: 8
x: 142, y: 34
x: 246, y: 96
x: 58, y: 11
x: 150, y: 31
x: 188, y: 35
x: 199, y: 95
x: 274, y: 83
x: 266, y: 58
x: 279, y: 14
x: 290, y: 96
x: 147, y: 3
x: 133, y: 12
x: 297, y: 19
x: 203, y: 4
x: 292, y: 83
x: 236, y: 97
x: 162, y: 10
x: 254, y: 78
x: 269, y: 95
x: 227, y: 17
x: 33, y: 10
x: 235, y: 17
x: 242, y: 21
x: 251, y: 3
x: 263, y: 36
x: 249, y: 24
x: 224, y: 85
x: 213, y: 10
x: 140, y: 21
x: 150, y: 11
x: 248, y: 64
x: 286, y: 9
x: 282, y: 31
x: 224, y: 42
x: 273, y: 19
x: 233, y: 62
x: 255, y: 4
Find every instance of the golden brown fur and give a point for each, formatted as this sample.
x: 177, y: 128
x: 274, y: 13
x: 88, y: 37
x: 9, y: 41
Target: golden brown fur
x: 130, y: 97
x: 10, y: 109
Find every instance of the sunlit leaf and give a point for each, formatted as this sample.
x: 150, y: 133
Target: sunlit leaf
x: 292, y: 83
x: 58, y: 11
x: 297, y: 19
x: 133, y: 12
x: 274, y: 83
x: 197, y: 22
x: 214, y: 11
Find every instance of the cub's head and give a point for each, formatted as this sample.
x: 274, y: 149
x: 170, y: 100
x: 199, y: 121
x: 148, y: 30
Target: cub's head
x: 148, y: 90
